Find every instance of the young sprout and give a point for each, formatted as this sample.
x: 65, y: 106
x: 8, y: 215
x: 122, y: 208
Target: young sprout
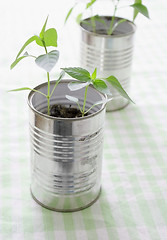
x: 85, y: 79
x: 137, y: 6
x: 46, y: 38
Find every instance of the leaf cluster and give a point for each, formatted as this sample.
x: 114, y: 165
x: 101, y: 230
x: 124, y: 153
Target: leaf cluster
x: 138, y: 7
x: 46, y: 38
x: 85, y: 79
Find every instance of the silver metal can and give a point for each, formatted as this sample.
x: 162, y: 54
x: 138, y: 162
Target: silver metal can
x: 66, y: 153
x: 111, y: 54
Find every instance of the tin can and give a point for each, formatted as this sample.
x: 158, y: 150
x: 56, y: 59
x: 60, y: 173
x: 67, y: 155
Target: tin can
x: 110, y: 54
x: 66, y: 153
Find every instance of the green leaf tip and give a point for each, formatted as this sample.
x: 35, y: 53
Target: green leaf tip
x: 30, y: 40
x: 135, y: 12
x: 78, y: 73
x: 20, y: 89
x: 89, y: 4
x: 43, y: 29
x: 17, y: 60
x: 140, y: 8
x: 79, y: 18
x: 117, y: 86
x: 94, y: 74
x: 68, y: 14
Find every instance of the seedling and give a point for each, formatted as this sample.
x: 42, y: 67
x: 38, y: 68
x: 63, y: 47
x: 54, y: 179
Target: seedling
x: 85, y: 79
x: 138, y: 7
x: 46, y: 38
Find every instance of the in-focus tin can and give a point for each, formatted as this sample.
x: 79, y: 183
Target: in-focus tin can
x: 66, y: 153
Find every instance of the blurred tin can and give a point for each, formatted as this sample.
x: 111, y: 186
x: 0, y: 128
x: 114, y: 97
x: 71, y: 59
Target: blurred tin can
x: 66, y: 153
x: 111, y: 54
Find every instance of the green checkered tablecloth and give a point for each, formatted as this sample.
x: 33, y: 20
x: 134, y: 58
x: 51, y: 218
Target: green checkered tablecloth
x: 133, y: 202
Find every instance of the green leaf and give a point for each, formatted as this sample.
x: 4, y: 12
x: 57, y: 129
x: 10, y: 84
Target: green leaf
x: 50, y: 38
x: 20, y: 89
x: 30, y: 40
x: 73, y: 86
x: 78, y: 73
x: 68, y: 14
x: 18, y: 60
x: 43, y: 29
x: 94, y: 74
x: 39, y: 41
x: 141, y: 9
x: 117, y: 86
x: 135, y: 12
x: 48, y: 60
x: 26, y: 88
x: 79, y: 18
x: 88, y: 5
x: 101, y: 86
x: 73, y: 99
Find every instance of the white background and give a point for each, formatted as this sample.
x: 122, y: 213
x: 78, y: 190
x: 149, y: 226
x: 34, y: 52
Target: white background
x: 21, y: 19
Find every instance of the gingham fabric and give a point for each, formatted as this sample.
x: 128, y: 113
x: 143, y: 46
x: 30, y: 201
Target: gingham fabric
x: 133, y: 202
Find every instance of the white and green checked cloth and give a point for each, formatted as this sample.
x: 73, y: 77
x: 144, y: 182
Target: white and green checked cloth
x: 133, y: 203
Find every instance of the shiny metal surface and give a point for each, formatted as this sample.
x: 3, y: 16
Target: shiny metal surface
x: 66, y: 154
x: 112, y: 55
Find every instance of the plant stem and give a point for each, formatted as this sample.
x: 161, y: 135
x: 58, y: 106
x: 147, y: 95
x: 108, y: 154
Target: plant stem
x: 79, y: 107
x: 110, y: 31
x: 93, y: 23
x: 39, y: 92
x: 83, y: 110
x: 44, y: 46
x: 54, y: 88
x: 48, y: 77
x: 57, y: 82
x: 48, y: 96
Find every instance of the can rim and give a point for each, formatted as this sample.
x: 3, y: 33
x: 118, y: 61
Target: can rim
x: 30, y: 95
x: 110, y: 36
